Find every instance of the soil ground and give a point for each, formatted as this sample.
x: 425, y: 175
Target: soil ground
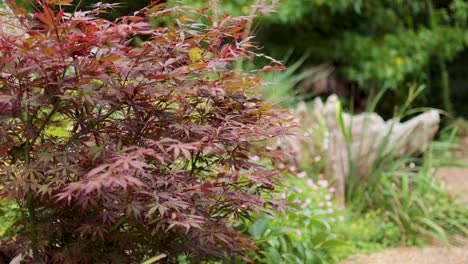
x: 455, y: 180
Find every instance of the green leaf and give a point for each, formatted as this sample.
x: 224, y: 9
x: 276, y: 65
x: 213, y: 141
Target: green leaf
x: 440, y: 232
x: 259, y: 228
x: 154, y: 259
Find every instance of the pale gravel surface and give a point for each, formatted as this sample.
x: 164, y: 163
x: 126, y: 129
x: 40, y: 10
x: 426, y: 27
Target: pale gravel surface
x: 427, y: 255
x: 455, y: 180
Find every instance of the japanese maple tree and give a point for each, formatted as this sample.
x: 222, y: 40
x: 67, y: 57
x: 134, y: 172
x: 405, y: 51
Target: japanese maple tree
x: 118, y: 150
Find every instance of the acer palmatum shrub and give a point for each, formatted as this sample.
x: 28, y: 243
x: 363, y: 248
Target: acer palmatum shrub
x: 118, y: 150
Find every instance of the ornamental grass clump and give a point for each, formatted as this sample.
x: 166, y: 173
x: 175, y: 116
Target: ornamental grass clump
x: 119, y: 150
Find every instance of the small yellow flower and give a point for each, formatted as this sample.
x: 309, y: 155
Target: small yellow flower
x: 399, y: 61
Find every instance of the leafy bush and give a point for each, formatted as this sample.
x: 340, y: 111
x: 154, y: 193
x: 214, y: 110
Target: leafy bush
x: 416, y: 202
x: 305, y: 234
x: 117, y: 152
x: 367, y: 232
x: 9, y: 213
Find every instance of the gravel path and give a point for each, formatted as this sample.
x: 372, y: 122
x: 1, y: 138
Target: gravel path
x: 427, y: 255
x: 455, y: 181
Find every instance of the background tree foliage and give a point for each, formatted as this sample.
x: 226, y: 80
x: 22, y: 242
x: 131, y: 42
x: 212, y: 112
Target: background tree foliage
x: 378, y: 44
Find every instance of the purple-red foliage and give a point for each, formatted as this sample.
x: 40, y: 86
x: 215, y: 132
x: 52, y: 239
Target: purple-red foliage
x: 154, y: 137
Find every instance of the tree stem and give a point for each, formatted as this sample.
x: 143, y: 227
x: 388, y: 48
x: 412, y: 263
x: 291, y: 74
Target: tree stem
x: 444, y: 75
x: 32, y: 221
x: 445, y: 85
x: 29, y: 193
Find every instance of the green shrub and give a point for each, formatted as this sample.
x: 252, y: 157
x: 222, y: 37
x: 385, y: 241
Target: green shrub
x: 305, y: 234
x: 9, y: 214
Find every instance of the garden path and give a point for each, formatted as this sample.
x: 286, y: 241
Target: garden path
x: 455, y: 181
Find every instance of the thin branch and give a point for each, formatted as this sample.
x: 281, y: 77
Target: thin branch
x: 46, y: 121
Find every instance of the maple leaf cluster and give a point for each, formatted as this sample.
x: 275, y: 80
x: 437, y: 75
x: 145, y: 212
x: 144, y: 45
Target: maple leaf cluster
x: 119, y: 150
